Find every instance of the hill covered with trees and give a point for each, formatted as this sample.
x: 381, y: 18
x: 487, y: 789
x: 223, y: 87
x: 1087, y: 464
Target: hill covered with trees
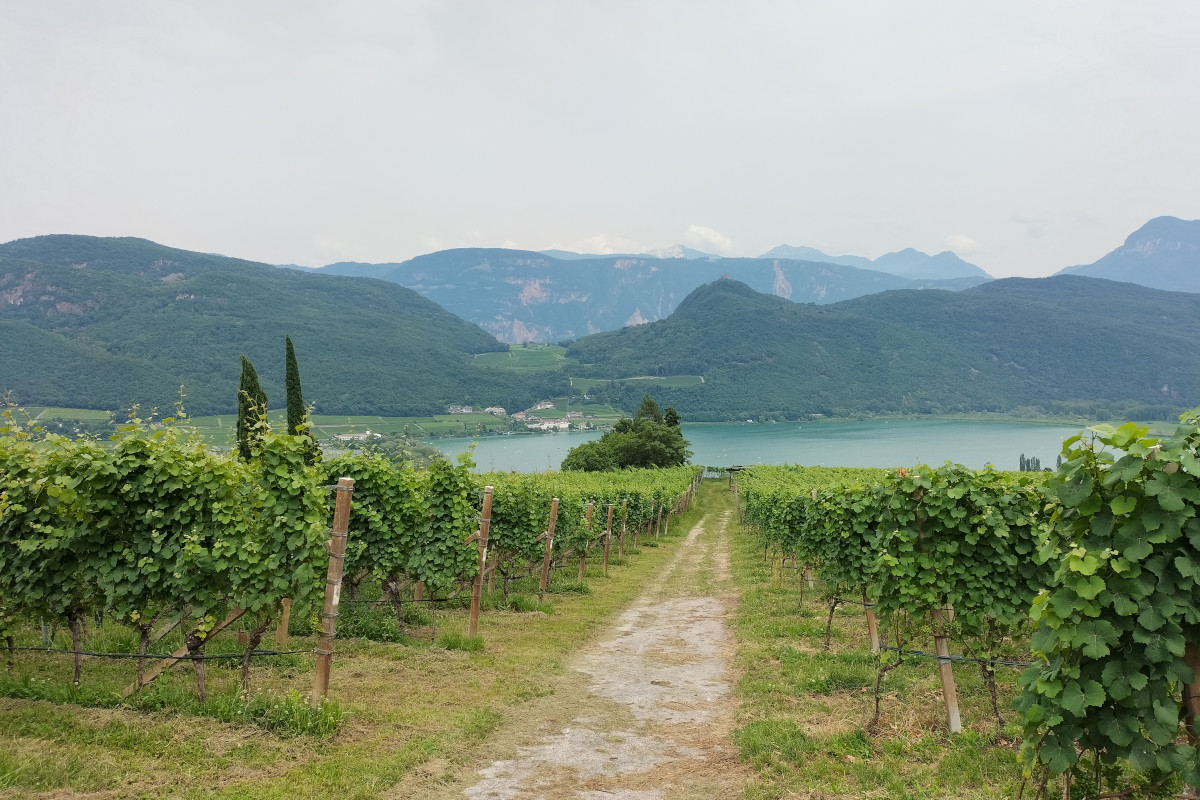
x: 519, y: 295
x: 106, y: 322
x: 1055, y: 345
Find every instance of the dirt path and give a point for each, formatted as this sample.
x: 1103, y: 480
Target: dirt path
x: 646, y: 713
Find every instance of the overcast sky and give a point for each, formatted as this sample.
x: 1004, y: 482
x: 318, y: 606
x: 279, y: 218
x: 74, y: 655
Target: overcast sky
x: 1025, y: 136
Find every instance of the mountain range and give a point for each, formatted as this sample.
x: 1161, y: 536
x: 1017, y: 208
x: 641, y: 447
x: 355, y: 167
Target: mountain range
x: 104, y: 323
x: 557, y: 295
x: 907, y: 263
x: 522, y: 296
x: 1162, y: 254
x: 1066, y: 344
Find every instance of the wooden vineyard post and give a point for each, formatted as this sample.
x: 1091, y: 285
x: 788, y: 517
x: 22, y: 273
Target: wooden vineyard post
x: 941, y: 648
x: 419, y: 591
x: 333, y: 590
x: 658, y: 524
x: 586, y: 543
x: 607, y: 538
x: 285, y: 620
x: 621, y: 537
x: 1191, y: 692
x: 480, y: 538
x: 667, y: 526
x: 181, y: 653
x: 872, y: 624
x: 549, y: 534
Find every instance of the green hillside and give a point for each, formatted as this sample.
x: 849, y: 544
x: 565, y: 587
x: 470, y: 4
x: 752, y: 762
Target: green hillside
x: 1054, y: 345
x: 103, y: 323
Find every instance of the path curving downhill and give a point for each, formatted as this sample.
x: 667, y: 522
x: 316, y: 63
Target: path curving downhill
x: 653, y: 712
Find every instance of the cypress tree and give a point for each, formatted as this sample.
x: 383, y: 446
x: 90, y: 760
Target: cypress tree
x: 252, y: 409
x: 295, y: 402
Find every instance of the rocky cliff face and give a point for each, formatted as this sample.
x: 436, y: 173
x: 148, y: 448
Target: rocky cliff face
x: 1162, y: 254
x: 522, y: 296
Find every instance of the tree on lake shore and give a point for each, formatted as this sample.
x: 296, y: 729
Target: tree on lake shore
x: 643, y: 441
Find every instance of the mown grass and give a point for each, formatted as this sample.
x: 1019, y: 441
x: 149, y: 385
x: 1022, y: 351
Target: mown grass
x: 418, y: 701
x: 805, y: 711
x: 527, y: 358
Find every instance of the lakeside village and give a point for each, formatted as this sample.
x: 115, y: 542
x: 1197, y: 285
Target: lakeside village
x: 530, y: 418
x: 544, y: 417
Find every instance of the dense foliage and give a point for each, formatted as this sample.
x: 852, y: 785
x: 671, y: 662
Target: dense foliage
x: 914, y: 539
x: 104, y: 323
x: 1083, y: 348
x: 251, y: 408
x: 153, y: 523
x: 644, y: 441
x: 1121, y: 615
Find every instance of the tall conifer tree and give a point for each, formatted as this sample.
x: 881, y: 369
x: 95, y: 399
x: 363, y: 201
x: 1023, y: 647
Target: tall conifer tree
x: 252, y: 409
x: 295, y: 401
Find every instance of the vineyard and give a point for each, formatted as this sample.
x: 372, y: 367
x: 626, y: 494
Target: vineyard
x: 1069, y: 597
x: 151, y: 542
x: 1087, y: 580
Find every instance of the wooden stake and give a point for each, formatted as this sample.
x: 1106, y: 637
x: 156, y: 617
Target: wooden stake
x: 419, y: 591
x: 285, y: 619
x: 333, y: 590
x: 180, y: 654
x: 481, y: 539
x: 941, y: 646
x: 621, y: 537
x: 1191, y: 691
x: 607, y: 538
x: 169, y: 625
x: 658, y: 524
x: 872, y: 625
x: 586, y: 543
x: 549, y: 542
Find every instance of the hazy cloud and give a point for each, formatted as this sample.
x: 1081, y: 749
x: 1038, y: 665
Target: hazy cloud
x: 600, y: 244
x: 1034, y: 228
x: 707, y: 239
x: 962, y: 244
x: 299, y: 132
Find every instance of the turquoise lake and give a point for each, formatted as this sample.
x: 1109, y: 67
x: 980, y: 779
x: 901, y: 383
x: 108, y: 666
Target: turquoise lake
x: 870, y: 443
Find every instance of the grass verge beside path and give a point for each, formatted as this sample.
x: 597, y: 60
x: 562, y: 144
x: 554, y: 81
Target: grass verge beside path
x: 412, y: 705
x: 804, y: 711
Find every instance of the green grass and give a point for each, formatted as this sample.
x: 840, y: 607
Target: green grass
x: 44, y: 414
x: 676, y: 381
x: 527, y: 358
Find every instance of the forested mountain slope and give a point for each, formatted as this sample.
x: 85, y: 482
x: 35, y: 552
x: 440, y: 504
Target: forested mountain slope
x: 102, y: 323
x: 520, y: 295
x: 1053, y: 344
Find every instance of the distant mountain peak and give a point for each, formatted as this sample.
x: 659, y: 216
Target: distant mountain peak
x: 1162, y: 254
x: 907, y: 263
x: 679, y: 251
